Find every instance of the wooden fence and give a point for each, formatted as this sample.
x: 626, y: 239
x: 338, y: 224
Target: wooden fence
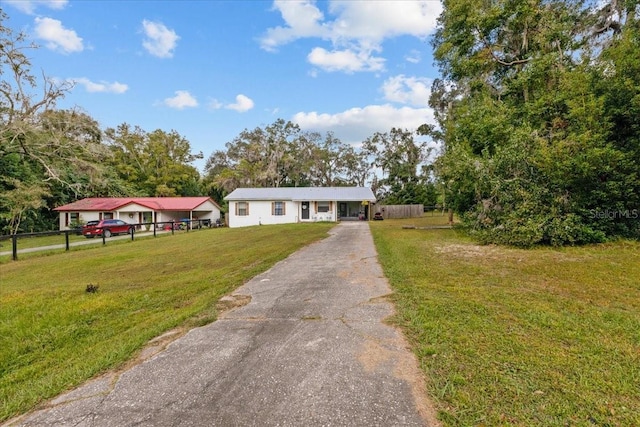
x: 400, y: 211
x: 146, y: 228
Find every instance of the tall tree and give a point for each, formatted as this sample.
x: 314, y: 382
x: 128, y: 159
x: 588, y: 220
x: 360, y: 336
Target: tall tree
x: 530, y: 154
x: 156, y: 163
x: 400, y: 157
x: 40, y: 148
x: 280, y: 154
x: 258, y: 158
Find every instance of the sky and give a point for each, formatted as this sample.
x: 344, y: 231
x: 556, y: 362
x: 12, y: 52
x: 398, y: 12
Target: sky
x: 211, y: 69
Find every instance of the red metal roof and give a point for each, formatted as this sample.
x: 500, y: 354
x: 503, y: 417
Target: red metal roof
x: 106, y: 204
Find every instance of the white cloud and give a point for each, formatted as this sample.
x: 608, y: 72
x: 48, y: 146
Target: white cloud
x: 302, y: 19
x: 182, y: 100
x: 414, y: 57
x: 377, y: 20
x: 57, y: 37
x: 357, y: 124
x: 215, y: 104
x: 102, y: 86
x: 243, y: 104
x: 359, y: 28
x: 160, y: 40
x: 345, y: 60
x: 30, y: 6
x: 408, y: 90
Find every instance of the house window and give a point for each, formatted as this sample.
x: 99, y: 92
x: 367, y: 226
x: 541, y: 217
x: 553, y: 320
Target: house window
x: 324, y: 207
x: 72, y: 218
x: 242, y: 208
x: 278, y: 208
x: 108, y: 215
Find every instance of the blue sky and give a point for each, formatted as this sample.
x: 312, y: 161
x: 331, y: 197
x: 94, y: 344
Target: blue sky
x: 210, y: 69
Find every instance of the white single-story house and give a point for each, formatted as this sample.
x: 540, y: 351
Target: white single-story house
x: 261, y: 206
x: 138, y: 210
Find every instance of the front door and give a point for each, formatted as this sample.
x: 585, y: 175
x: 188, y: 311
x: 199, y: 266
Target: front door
x: 342, y: 210
x: 305, y: 210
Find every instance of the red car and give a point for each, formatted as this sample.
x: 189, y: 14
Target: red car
x: 110, y: 227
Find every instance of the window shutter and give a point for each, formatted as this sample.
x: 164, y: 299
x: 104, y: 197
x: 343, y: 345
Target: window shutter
x: 236, y: 204
x: 330, y: 206
x: 316, y: 205
x: 273, y: 208
x: 284, y: 208
x: 247, y: 204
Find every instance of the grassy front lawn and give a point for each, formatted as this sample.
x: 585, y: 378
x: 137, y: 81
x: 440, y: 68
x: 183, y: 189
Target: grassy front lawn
x: 54, y: 335
x: 541, y: 337
x: 36, y: 241
x: 76, y: 241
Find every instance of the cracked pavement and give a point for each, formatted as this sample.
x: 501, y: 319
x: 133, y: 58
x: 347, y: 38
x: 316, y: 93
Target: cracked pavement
x: 309, y: 347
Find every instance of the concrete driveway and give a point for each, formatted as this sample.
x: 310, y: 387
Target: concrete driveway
x: 309, y: 348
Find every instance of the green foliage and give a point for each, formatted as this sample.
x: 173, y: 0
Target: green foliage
x: 154, y: 164
x: 47, y: 156
x: 280, y: 155
x: 402, y: 158
x: 539, y: 122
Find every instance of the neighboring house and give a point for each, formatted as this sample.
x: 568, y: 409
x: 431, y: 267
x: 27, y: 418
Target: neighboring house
x: 137, y: 210
x: 261, y: 206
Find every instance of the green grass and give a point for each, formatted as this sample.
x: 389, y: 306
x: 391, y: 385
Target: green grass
x: 81, y: 242
x: 54, y: 335
x: 35, y: 241
x: 541, y: 337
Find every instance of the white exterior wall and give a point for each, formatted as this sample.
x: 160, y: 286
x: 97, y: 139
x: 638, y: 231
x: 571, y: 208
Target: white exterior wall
x: 315, y: 216
x: 207, y: 211
x: 84, y: 217
x: 133, y: 213
x: 260, y: 214
x: 130, y: 213
x: 87, y: 216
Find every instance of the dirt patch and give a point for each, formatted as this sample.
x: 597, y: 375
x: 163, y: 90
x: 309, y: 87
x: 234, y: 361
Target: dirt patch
x: 373, y: 355
x: 154, y: 347
x: 404, y: 365
x: 470, y: 251
x: 230, y: 302
x: 494, y: 252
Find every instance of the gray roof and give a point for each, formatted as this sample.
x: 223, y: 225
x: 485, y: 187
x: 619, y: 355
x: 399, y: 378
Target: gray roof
x: 304, y: 194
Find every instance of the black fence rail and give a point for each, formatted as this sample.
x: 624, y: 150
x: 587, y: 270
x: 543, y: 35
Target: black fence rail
x: 105, y: 233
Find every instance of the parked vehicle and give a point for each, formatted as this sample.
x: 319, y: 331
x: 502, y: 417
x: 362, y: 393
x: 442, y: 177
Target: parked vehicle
x: 187, y: 223
x: 378, y: 216
x: 195, y: 223
x: 110, y: 227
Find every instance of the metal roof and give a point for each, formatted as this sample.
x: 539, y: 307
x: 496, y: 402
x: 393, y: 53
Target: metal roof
x: 105, y: 204
x: 304, y: 194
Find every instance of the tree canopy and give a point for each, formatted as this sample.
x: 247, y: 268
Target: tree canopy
x: 280, y: 154
x: 43, y: 151
x: 538, y: 118
x: 153, y: 164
